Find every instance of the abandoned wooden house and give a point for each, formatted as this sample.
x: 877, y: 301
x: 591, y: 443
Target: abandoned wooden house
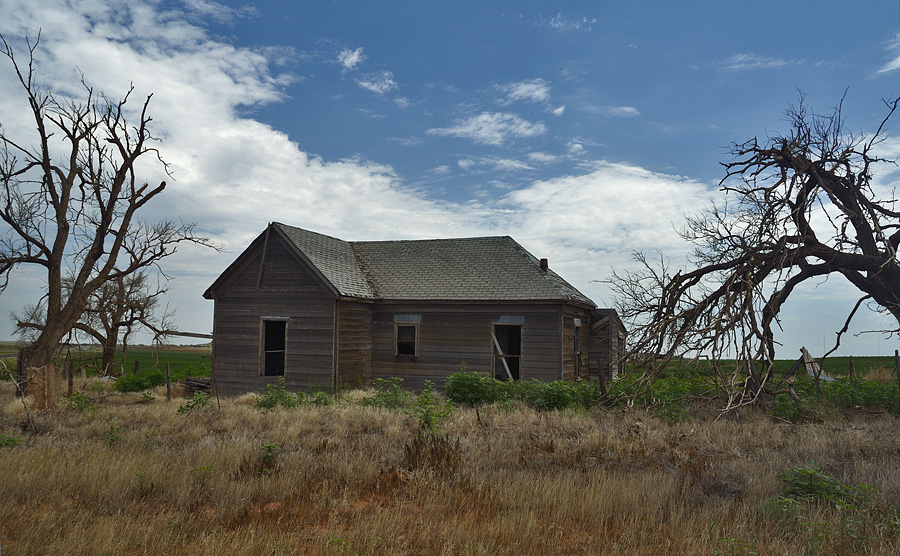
x: 326, y: 313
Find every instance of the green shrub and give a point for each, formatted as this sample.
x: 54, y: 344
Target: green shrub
x: 318, y: 398
x: 150, y: 378
x: 77, y: 401
x: 431, y: 410
x: 142, y: 381
x: 389, y: 394
x: 198, y: 400
x: 847, y: 393
x: 6, y: 441
x: 812, y: 484
x: 588, y: 394
x: 276, y: 394
x: 547, y: 396
x: 473, y: 388
x: 788, y: 409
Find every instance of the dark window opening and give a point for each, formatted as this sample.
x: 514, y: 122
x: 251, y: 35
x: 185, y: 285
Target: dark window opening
x: 407, y: 336
x: 507, y: 342
x: 274, y: 332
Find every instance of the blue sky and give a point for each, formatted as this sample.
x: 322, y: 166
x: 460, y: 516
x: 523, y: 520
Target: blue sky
x: 582, y: 129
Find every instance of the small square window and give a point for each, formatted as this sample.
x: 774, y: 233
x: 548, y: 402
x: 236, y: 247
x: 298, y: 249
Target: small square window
x: 406, y: 337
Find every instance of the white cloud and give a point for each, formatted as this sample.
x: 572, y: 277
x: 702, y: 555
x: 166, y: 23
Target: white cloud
x: 220, y: 12
x: 406, y: 141
x: 894, y: 47
x: 558, y: 111
x: 492, y: 128
x: 542, y: 157
x: 566, y: 23
x: 742, y: 62
x: 349, y: 59
x: 575, y: 147
x: 494, y: 163
x: 534, y: 90
x: 621, y: 111
x: 379, y: 82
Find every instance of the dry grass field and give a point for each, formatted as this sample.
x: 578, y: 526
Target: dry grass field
x: 135, y: 476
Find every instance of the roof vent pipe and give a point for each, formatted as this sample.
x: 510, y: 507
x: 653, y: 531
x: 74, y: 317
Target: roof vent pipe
x: 544, y: 265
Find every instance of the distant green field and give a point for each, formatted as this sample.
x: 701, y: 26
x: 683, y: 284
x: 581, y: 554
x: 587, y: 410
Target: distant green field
x: 836, y: 366
x: 189, y: 360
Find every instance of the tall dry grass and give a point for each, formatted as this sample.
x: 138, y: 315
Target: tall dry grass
x: 137, y: 477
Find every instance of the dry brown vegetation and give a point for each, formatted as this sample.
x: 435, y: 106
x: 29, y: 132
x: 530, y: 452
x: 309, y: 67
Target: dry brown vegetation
x: 136, y: 477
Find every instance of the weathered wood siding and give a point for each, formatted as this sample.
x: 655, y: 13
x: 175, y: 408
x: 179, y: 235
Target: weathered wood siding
x: 607, y: 347
x: 354, y: 363
x: 450, y: 333
x: 286, y: 289
x: 571, y: 313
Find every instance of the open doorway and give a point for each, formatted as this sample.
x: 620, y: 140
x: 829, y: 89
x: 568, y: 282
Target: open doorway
x: 507, y: 342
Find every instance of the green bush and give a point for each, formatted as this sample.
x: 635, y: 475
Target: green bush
x: 787, y: 409
x: 6, y: 441
x: 150, y: 378
x: 198, y: 400
x: 811, y: 483
x: 547, y: 396
x: 276, y: 394
x: 847, y: 393
x: 473, y: 388
x: 431, y: 410
x: 389, y: 394
x: 79, y: 402
x: 138, y: 383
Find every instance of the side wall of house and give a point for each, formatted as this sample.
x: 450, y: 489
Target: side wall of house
x: 354, y: 364
x: 284, y: 290
x: 451, y: 333
x: 570, y: 314
x: 607, y: 347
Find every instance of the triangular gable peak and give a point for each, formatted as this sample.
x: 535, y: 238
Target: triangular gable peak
x: 258, y: 250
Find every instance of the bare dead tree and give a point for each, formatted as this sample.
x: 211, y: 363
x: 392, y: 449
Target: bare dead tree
x: 800, y: 206
x: 70, y: 197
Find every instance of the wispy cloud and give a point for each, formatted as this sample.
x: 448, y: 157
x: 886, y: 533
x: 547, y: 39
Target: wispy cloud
x: 220, y: 12
x: 744, y: 62
x: 533, y: 90
x: 493, y: 163
x: 614, y: 111
x: 491, y: 128
x: 622, y: 111
x: 893, y: 46
x: 558, y: 111
x: 349, y: 59
x: 542, y: 158
x: 568, y: 23
x: 379, y: 82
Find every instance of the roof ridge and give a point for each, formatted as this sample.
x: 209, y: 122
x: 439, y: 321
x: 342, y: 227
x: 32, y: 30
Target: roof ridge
x: 427, y: 240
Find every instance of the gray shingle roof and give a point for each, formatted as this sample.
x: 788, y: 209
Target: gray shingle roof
x: 465, y: 269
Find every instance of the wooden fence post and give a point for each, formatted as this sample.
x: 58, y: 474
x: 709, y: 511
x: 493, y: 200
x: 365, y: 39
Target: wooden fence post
x: 137, y: 365
x: 70, y: 375
x: 852, y: 369
x: 168, y: 384
x: 897, y: 370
